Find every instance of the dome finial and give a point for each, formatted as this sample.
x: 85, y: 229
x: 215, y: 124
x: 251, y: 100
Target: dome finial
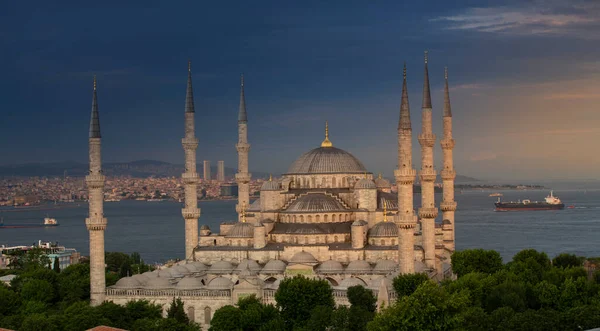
x: 95, y: 83
x: 326, y: 142
x: 270, y: 177
x: 384, y: 212
x: 379, y: 176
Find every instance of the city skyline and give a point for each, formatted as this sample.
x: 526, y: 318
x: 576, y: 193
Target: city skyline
x: 522, y: 79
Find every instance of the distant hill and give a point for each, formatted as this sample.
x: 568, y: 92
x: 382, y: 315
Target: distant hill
x: 140, y: 169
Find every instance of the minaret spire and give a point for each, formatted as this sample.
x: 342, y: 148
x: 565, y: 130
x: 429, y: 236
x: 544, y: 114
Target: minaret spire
x: 426, y: 90
x: 405, y: 177
x: 242, y: 116
x: 326, y: 142
x: 243, y: 147
x: 448, y: 205
x: 447, y: 108
x: 190, y: 178
x: 96, y: 223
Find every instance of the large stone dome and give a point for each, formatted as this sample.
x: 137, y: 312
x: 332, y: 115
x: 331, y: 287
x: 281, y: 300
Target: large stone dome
x: 384, y: 229
x: 315, y: 203
x: 327, y: 160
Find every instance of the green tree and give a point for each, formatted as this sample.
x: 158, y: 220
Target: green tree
x: 177, y: 311
x: 38, y: 290
x: 35, y: 258
x: 37, y: 322
x: 407, y: 284
x: 226, y: 318
x: 74, y: 284
x: 33, y: 307
x: 476, y: 260
x: 362, y: 298
x: 56, y: 266
x: 320, y: 319
x: 297, y: 296
x: 81, y: 316
x: 340, y: 319
x: 567, y: 260
x: 136, y: 258
x: 117, y: 315
x: 9, y: 302
x: 115, y: 260
x: 143, y: 309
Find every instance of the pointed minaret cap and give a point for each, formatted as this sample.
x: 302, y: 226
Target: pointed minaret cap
x: 95, y: 119
x: 326, y: 142
x: 242, y: 116
x: 189, y: 95
x: 404, y: 123
x: 426, y: 92
x: 447, y: 108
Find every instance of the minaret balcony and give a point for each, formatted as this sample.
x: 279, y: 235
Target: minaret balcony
x: 191, y: 213
x: 427, y: 175
x: 448, y: 205
x: 406, y: 221
x: 190, y: 177
x: 243, y: 177
x: 405, y: 176
x: 427, y: 139
x: 447, y: 143
x: 428, y: 213
x: 96, y: 223
x: 94, y: 180
x: 242, y: 147
x: 448, y: 174
x: 189, y: 143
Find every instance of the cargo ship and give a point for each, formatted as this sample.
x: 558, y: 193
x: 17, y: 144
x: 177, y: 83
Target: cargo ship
x: 551, y: 203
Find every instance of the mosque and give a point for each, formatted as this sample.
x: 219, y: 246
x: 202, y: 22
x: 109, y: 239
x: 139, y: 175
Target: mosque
x: 327, y: 217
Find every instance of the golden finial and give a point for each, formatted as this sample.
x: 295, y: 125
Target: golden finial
x: 379, y: 176
x: 384, y: 212
x: 404, y: 71
x: 366, y: 175
x: 244, y: 212
x: 326, y: 142
x: 95, y: 82
x: 270, y: 177
x: 446, y: 73
x: 426, y: 56
x: 242, y: 80
x: 190, y: 65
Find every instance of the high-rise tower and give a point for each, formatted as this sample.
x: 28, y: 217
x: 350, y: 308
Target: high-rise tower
x: 190, y: 211
x: 405, y: 177
x: 448, y: 205
x: 206, y: 167
x: 428, y: 212
x: 221, y: 171
x: 243, y: 176
x: 96, y: 223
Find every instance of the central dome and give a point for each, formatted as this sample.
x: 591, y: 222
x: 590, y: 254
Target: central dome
x: 327, y: 160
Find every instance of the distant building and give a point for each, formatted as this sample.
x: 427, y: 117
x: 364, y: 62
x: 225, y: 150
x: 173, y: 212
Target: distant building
x: 66, y: 256
x: 229, y: 190
x: 206, y: 170
x: 221, y: 171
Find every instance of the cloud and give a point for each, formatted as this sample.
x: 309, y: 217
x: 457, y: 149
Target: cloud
x: 576, y: 18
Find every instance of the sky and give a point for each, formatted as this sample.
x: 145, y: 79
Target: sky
x: 524, y: 81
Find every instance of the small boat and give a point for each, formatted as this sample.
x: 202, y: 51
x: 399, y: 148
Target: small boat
x: 496, y: 195
x: 48, y: 221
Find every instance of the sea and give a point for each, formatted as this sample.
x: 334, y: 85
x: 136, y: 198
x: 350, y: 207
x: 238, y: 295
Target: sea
x: 156, y: 229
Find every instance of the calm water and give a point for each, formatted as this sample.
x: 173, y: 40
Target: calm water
x: 155, y: 229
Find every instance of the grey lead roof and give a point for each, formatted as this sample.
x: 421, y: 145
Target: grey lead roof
x: 311, y: 228
x: 327, y: 160
x: 316, y: 203
x: 189, y: 95
x: 426, y: 92
x: 404, y: 123
x: 447, y: 108
x: 95, y: 119
x: 242, y: 116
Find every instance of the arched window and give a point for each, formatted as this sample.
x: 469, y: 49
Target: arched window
x: 317, y: 218
x: 309, y: 219
x: 207, y: 316
x: 382, y: 242
x: 393, y: 242
x: 335, y: 239
x: 301, y: 219
x: 347, y: 217
x: 325, y: 218
x: 333, y: 182
x: 239, y: 243
x: 294, y: 218
x: 306, y: 239
x: 191, y: 314
x: 334, y: 218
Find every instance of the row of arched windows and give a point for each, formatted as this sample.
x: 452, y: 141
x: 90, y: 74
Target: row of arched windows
x: 323, y: 182
x: 318, y: 239
x: 326, y: 218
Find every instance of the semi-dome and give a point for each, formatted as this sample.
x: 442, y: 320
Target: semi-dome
x: 315, y: 202
x: 158, y: 283
x: 221, y: 267
x: 241, y: 230
x: 349, y: 282
x: 358, y: 267
x: 330, y: 267
x: 384, y: 229
x: 326, y: 160
x: 250, y: 264
x: 220, y: 283
x: 190, y: 283
x: 382, y: 182
x: 384, y: 266
x: 274, y: 267
x: 365, y: 184
x: 303, y: 257
x: 127, y: 282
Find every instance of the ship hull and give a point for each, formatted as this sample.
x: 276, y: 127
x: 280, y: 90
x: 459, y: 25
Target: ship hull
x: 504, y: 206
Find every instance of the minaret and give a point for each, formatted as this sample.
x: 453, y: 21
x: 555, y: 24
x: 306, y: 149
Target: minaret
x: 96, y: 223
x: 405, y: 177
x: 448, y: 205
x: 243, y: 176
x: 190, y: 211
x: 428, y: 212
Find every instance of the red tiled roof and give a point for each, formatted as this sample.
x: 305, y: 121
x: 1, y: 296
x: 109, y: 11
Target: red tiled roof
x: 103, y: 328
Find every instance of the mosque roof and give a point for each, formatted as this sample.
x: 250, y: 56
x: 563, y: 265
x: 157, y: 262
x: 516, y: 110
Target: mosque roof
x: 221, y: 267
x: 311, y: 228
x: 241, y: 230
x: 384, y: 266
x: 330, y: 267
x: 220, y: 283
x: 250, y: 264
x: 327, y: 160
x: 158, y: 283
x: 349, y: 282
x: 365, y: 183
x: 390, y: 200
x: 254, y: 206
x: 314, y: 203
x: 381, y: 182
x: 128, y: 282
x: 359, y: 223
x: 358, y: 266
x: 181, y: 269
x: 270, y: 185
x: 199, y: 265
x: 303, y: 257
x: 190, y: 283
x: 384, y: 229
x: 274, y: 266
x: 376, y: 283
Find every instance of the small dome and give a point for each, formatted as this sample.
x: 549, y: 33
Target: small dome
x: 376, y: 283
x: 128, y: 282
x: 358, y: 267
x: 330, y: 267
x: 141, y: 278
x: 250, y: 264
x: 270, y: 185
x: 385, y: 266
x: 303, y: 257
x: 274, y: 267
x: 204, y: 227
x: 220, y: 283
x: 359, y: 223
x: 221, y: 267
x: 158, y: 283
x: 199, y: 266
x: 165, y: 273
x: 175, y: 273
x: 382, y: 183
x: 384, y: 229
x: 150, y: 274
x: 365, y: 183
x: 241, y: 230
x: 190, y: 283
x: 349, y: 282
x: 181, y: 269
x: 258, y: 224
x: 192, y: 268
